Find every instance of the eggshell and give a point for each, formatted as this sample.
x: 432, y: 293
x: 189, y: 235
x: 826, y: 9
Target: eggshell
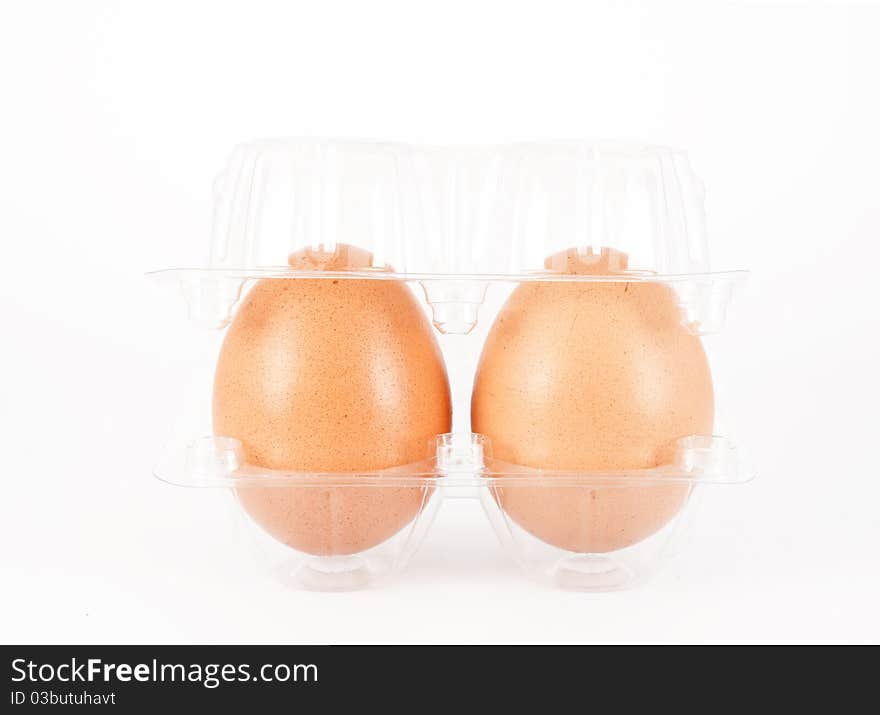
x: 331, y: 375
x: 591, y: 377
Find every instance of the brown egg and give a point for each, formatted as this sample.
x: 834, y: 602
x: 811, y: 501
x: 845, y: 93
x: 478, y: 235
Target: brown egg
x: 331, y: 375
x: 591, y: 377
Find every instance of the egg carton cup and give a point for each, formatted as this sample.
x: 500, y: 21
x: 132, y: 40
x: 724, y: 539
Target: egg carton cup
x: 460, y: 465
x: 462, y: 227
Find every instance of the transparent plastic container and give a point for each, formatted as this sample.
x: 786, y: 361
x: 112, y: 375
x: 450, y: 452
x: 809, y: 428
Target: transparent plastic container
x: 462, y: 227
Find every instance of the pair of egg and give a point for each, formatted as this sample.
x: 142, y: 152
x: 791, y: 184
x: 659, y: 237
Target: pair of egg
x: 321, y: 375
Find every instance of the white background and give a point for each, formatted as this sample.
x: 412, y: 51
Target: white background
x: 115, y: 117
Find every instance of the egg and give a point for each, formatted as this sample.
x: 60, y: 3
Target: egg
x: 331, y: 375
x: 591, y: 377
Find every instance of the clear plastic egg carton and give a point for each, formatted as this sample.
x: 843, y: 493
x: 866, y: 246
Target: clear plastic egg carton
x: 462, y: 228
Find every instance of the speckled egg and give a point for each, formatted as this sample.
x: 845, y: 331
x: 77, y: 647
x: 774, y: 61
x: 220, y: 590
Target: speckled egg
x: 331, y: 375
x: 591, y: 377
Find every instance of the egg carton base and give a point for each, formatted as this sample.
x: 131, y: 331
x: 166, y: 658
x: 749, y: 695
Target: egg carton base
x: 540, y: 562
